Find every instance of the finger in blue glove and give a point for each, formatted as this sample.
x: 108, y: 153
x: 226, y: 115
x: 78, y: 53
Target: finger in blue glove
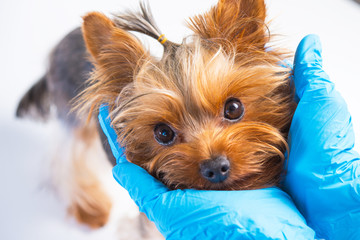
x: 323, y: 173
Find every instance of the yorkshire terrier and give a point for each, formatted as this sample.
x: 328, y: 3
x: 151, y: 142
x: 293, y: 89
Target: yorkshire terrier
x: 212, y: 113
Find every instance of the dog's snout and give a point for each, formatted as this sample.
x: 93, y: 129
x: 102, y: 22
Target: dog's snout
x: 215, y: 170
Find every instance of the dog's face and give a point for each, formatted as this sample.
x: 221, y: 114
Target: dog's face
x: 213, y: 113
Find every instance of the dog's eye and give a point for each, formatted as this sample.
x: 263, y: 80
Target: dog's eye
x: 233, y: 110
x: 164, y: 135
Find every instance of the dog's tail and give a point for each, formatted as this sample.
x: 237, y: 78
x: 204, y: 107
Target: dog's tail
x: 36, y: 102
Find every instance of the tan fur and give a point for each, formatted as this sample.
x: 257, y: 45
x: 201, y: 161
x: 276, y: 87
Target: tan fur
x: 77, y: 169
x: 188, y: 88
x: 117, y: 53
x: 91, y: 204
x: 238, y: 22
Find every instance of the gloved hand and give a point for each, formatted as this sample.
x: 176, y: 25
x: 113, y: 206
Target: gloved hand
x: 194, y: 214
x: 323, y: 175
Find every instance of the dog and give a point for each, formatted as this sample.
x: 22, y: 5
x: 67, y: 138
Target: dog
x: 213, y: 113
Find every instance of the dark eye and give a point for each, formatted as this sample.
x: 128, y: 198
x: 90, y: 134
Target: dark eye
x: 164, y: 135
x: 233, y: 110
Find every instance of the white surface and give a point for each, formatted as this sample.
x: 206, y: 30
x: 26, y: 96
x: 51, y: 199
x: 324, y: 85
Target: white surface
x: 30, y: 29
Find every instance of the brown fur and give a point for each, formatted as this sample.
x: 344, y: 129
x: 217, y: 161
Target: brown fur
x: 76, y: 179
x: 188, y: 88
x: 90, y: 203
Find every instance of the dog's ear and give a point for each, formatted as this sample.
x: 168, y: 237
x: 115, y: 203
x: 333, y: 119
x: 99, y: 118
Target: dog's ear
x: 238, y: 22
x: 117, y: 55
x: 104, y: 40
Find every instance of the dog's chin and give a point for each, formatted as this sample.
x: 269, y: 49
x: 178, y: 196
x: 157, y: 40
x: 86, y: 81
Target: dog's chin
x: 227, y: 185
x: 210, y: 186
x: 203, y: 185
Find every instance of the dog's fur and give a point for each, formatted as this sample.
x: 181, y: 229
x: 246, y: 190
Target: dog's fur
x: 187, y: 91
x: 80, y: 154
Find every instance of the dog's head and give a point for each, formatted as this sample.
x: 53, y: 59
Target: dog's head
x: 213, y: 113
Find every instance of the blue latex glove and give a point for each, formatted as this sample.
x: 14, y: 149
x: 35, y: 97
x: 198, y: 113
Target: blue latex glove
x: 323, y: 173
x: 194, y: 214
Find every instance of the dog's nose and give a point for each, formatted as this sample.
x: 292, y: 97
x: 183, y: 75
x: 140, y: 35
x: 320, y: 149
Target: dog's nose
x: 215, y: 170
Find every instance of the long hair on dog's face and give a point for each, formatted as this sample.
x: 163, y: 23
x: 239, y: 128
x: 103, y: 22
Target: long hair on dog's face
x: 213, y: 113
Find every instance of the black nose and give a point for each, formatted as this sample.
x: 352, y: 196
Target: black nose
x: 215, y: 170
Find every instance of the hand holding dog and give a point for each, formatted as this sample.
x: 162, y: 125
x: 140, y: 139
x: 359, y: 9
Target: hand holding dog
x: 322, y: 177
x: 189, y: 214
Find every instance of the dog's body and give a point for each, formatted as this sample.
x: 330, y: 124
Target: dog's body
x: 69, y: 68
x: 213, y: 113
x: 65, y: 79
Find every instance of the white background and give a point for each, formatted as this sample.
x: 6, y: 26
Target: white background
x: 29, y: 30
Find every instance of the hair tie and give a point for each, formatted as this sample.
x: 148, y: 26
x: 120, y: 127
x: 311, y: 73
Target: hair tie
x: 162, y: 39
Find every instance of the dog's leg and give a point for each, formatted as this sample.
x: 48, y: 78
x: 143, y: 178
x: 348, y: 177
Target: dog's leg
x: 78, y: 167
